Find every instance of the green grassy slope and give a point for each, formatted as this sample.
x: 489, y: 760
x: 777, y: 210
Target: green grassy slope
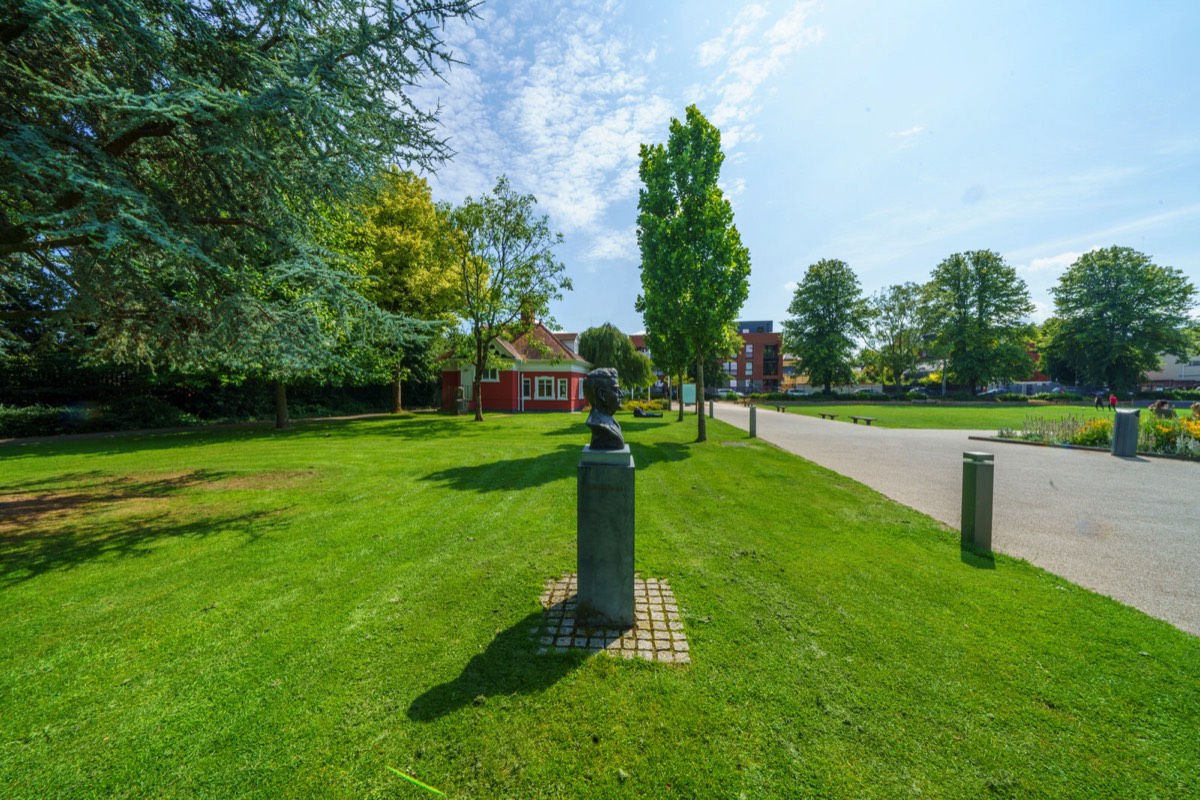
x: 222, y: 614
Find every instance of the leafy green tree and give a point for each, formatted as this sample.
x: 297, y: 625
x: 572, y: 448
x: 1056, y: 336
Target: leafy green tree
x: 828, y: 314
x: 606, y: 346
x: 161, y: 164
x: 695, y: 271
x: 669, y: 352
x: 896, y: 331
x: 410, y: 268
x: 981, y: 307
x: 507, y: 272
x: 1117, y: 313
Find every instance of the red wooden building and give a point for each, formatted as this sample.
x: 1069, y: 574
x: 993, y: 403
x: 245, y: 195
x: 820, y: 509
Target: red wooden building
x: 537, y: 372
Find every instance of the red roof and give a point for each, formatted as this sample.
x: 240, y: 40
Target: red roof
x: 539, y: 344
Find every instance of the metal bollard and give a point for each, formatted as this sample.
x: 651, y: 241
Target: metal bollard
x: 978, y: 475
x: 1125, y: 432
x: 710, y: 409
x: 753, y: 419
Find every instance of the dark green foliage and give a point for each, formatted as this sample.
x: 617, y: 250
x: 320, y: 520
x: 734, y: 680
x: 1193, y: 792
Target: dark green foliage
x: 503, y: 256
x: 980, y: 309
x: 162, y: 165
x: 828, y: 313
x: 695, y: 270
x: 1117, y: 312
x: 606, y: 346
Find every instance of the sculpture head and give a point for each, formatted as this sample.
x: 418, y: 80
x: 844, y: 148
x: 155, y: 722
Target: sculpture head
x: 601, y: 389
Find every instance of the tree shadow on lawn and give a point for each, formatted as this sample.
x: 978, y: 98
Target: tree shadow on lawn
x: 510, y: 474
x: 628, y: 422
x: 514, y: 474
x: 45, y: 527
x: 404, y: 426
x: 510, y: 665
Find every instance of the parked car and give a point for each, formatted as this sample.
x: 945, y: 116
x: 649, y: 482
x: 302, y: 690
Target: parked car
x: 797, y: 392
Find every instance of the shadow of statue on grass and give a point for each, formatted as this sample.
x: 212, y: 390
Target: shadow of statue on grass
x: 510, y: 665
x: 511, y: 473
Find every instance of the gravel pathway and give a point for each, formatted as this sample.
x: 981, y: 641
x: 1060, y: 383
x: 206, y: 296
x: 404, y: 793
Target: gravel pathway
x: 1127, y: 528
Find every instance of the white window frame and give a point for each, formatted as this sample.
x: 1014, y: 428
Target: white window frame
x: 564, y: 389
x: 526, y: 388
x: 749, y: 351
x: 490, y: 375
x: 538, y: 383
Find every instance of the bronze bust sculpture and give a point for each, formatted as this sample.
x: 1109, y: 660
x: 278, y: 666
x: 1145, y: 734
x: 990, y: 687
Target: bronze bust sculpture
x: 604, y: 394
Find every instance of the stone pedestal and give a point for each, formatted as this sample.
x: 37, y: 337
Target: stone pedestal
x: 604, y: 525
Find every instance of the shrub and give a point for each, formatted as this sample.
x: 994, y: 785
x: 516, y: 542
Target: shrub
x: 32, y: 421
x: 1094, y: 433
x: 146, y: 411
x: 1012, y: 397
x: 644, y: 405
x: 1058, y: 397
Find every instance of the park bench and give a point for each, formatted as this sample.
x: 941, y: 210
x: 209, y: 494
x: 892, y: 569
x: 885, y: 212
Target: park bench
x: 867, y: 420
x: 744, y: 402
x: 780, y: 409
x: 823, y: 415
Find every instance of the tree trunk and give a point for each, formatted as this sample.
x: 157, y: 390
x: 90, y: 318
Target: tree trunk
x: 667, y: 383
x: 679, y: 388
x: 281, y: 409
x: 702, y: 434
x: 943, y: 376
x: 397, y: 398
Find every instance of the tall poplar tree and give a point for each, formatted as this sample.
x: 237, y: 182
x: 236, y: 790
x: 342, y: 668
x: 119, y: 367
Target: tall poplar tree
x: 695, y: 270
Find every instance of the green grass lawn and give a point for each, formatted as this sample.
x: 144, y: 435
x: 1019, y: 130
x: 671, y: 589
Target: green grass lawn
x: 251, y: 613
x: 965, y: 417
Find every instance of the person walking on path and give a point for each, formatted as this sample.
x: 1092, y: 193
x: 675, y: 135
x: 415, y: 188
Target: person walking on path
x: 1112, y: 403
x: 1099, y: 401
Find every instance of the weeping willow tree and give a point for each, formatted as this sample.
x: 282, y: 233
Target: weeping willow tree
x: 163, y: 164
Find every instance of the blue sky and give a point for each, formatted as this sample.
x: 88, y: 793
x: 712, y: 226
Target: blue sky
x: 885, y: 134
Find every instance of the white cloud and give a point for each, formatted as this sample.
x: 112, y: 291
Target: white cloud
x: 790, y: 287
x: 913, y: 131
x: 1050, y: 264
x: 614, y: 245
x: 749, y: 56
x: 1042, y: 311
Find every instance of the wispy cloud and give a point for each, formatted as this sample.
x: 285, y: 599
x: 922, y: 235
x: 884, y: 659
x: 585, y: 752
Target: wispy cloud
x: 565, y: 103
x: 750, y: 50
x: 559, y: 98
x: 913, y: 131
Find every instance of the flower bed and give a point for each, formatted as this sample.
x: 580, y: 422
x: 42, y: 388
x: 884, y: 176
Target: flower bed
x: 1174, y: 436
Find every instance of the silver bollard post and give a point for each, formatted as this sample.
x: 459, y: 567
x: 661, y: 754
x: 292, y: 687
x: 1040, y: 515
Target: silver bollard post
x: 710, y: 409
x: 978, y: 475
x: 753, y: 419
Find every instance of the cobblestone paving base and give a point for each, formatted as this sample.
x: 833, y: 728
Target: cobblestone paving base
x: 657, y: 633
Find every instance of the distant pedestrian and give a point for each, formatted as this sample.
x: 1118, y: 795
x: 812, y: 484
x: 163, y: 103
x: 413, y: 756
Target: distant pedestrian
x: 1099, y: 401
x: 1112, y: 403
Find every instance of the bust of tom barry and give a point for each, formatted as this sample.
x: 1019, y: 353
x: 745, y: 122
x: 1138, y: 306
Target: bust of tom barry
x: 602, y: 392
